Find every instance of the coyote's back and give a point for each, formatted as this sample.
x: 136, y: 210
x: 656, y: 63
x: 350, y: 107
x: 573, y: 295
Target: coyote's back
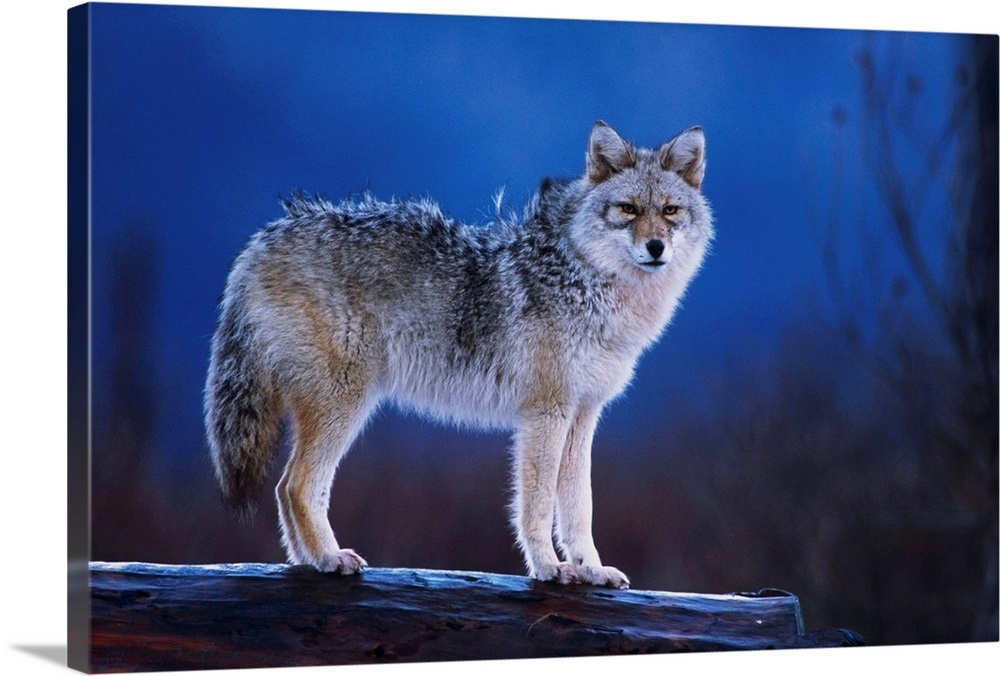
x: 531, y: 325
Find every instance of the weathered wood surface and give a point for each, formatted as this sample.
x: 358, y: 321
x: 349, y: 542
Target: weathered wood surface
x: 148, y: 617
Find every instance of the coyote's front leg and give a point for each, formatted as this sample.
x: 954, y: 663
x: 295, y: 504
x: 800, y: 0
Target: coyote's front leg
x: 553, y: 449
x: 537, y: 446
x: 576, y: 506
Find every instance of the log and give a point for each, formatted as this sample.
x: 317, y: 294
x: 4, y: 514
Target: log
x: 149, y: 617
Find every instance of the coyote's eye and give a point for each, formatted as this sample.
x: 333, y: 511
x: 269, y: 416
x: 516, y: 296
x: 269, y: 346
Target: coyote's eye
x: 670, y: 210
x: 627, y: 208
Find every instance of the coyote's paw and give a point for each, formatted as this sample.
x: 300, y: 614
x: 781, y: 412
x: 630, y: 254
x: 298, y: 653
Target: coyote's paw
x: 342, y: 561
x: 563, y: 573
x: 569, y: 573
x: 602, y: 576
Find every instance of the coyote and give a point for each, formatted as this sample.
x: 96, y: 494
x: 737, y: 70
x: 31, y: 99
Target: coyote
x: 531, y: 325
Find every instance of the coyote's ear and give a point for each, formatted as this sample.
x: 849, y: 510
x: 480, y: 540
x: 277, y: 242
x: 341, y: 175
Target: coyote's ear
x: 607, y: 153
x: 685, y: 154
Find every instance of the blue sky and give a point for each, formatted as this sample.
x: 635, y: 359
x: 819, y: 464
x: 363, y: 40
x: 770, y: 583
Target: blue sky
x: 203, y: 116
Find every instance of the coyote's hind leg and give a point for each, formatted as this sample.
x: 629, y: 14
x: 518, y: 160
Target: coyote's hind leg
x: 324, y: 428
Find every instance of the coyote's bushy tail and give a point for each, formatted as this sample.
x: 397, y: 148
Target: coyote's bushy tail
x: 242, y: 406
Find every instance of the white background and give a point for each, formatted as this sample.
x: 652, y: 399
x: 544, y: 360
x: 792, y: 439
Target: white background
x: 33, y: 328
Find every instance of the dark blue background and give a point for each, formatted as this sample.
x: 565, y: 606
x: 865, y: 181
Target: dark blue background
x: 202, y: 117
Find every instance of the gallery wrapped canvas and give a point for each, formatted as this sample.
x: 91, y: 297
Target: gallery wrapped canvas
x: 420, y: 337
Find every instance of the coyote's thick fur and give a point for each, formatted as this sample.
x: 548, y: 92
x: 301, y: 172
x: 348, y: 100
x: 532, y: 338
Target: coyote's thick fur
x: 531, y: 326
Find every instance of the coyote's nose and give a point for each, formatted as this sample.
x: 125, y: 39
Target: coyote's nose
x: 655, y: 248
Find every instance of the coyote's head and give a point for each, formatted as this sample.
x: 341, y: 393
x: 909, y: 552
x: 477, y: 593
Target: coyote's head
x: 644, y: 209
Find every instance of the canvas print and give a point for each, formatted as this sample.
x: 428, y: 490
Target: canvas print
x: 420, y: 338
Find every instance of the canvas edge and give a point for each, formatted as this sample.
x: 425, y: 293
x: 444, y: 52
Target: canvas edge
x: 78, y: 337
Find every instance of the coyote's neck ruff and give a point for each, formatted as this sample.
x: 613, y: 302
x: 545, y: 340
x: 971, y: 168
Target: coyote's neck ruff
x: 532, y: 326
